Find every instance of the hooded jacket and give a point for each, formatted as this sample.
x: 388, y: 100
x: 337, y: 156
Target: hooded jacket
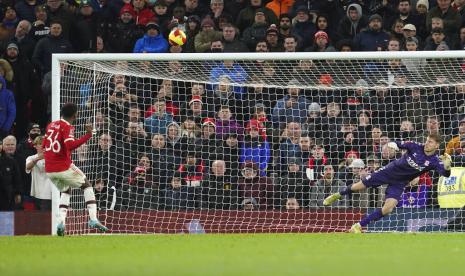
x: 7, y: 107
x: 151, y: 44
x: 348, y: 29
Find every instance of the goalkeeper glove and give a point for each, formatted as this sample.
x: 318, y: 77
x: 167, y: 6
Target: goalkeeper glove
x: 446, y: 160
x: 393, y: 146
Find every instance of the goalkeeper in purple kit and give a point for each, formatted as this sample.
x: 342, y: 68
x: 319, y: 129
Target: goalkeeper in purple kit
x: 419, y: 158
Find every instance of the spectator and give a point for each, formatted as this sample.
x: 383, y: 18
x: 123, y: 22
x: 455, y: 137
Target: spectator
x: 246, y: 16
x: 106, y: 163
x: 139, y: 190
x: 290, y: 146
x: 217, y: 11
x: 23, y: 39
x: 40, y: 27
x: 293, y: 185
x: 324, y: 187
x: 322, y: 24
x: 121, y: 36
x: 41, y: 186
x: 25, y: 9
x: 373, y: 37
x: 228, y: 150
x: 255, y: 147
x: 85, y: 29
x: 320, y: 43
x: 303, y: 26
x: 256, y: 31
x: 163, y: 163
x: 451, y: 18
x: 192, y: 29
x: 397, y: 35
x: 196, y: 110
x: 152, y: 42
x: 219, y: 188
x: 175, y: 143
x: 224, y: 96
x: 454, y: 145
x: 55, y: 43
x: 26, y: 148
x: 25, y: 86
x: 10, y: 182
x: 252, y: 185
x: 416, y: 107
x: 143, y: 15
x: 7, y: 109
x: 231, y: 41
x: 190, y: 131
x: 352, y: 23
x: 234, y: 71
x: 58, y: 12
x: 159, y: 120
x: 194, y: 8
x: 293, y: 107
x: 192, y: 169
x: 132, y: 143
x: 207, y: 144
x: 316, y: 163
x: 160, y: 10
x: 405, y: 14
x: 407, y: 131
x: 226, y: 124
x: 205, y: 37
x: 178, y: 196
x: 290, y: 44
x: 272, y: 37
x: 437, y: 41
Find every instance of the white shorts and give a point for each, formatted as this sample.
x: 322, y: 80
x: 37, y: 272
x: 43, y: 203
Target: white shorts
x: 72, y: 177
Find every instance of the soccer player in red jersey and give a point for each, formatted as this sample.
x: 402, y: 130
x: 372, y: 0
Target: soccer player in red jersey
x: 58, y: 144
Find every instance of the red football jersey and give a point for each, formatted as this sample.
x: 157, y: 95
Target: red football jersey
x: 58, y: 143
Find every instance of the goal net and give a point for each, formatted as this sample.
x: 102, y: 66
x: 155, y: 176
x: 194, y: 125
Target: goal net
x: 253, y: 143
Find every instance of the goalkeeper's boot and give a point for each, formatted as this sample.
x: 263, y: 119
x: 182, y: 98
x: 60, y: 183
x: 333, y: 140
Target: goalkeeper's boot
x: 95, y: 224
x: 61, y: 229
x: 356, y: 229
x: 331, y: 199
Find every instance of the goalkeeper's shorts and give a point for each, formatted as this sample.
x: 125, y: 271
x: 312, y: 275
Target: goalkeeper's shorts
x: 71, y: 178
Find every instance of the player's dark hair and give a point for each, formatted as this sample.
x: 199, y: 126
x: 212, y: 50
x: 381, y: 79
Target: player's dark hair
x: 69, y: 110
x: 436, y: 137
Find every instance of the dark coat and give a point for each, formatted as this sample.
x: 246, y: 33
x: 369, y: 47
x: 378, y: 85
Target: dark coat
x: 47, y: 46
x: 10, y: 182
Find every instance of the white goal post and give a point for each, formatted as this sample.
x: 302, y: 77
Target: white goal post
x: 330, y: 114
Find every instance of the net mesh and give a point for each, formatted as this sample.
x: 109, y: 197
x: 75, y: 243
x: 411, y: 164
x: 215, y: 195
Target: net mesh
x: 255, y: 146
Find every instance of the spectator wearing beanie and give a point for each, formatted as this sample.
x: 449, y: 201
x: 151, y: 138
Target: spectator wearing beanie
x: 373, y: 37
x: 273, y: 39
x: 121, y: 36
x: 257, y: 30
x: 352, y: 23
x: 321, y: 43
x: 152, y: 42
x: 246, y: 16
x: 206, y: 36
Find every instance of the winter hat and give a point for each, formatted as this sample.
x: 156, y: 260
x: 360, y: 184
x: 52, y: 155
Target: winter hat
x: 294, y: 160
x: 207, y: 22
x: 249, y: 164
x: 424, y: 3
x: 85, y: 3
x: 361, y: 83
x: 326, y: 79
x: 314, y: 107
x: 357, y: 163
x: 301, y: 9
x: 195, y: 99
x: 152, y: 25
x: 321, y: 34
x: 272, y: 29
x: 32, y: 126
x: 127, y: 9
x: 193, y: 18
x: 354, y: 152
x: 375, y: 17
x: 209, y: 122
x: 411, y: 39
x: 13, y: 45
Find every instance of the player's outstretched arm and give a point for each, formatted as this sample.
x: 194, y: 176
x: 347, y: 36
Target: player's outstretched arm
x: 72, y: 144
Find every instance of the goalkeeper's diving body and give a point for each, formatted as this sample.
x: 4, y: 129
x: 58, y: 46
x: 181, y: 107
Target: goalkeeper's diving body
x: 418, y: 159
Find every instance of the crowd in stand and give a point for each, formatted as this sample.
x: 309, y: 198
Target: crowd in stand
x: 173, y: 145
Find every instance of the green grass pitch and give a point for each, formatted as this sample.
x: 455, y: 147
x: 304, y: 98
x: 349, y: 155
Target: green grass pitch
x: 240, y: 254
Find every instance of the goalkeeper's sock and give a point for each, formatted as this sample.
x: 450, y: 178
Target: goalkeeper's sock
x: 346, y: 191
x: 64, y: 203
x: 376, y: 215
x: 89, y: 197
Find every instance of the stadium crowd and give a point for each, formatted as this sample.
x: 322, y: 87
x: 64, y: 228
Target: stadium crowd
x: 171, y: 145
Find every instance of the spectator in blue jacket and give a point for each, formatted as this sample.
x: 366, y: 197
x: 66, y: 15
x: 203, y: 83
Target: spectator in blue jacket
x: 234, y: 71
x: 152, y: 42
x: 159, y: 120
x: 291, y: 108
x: 7, y: 109
x: 255, y: 147
x: 373, y: 37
